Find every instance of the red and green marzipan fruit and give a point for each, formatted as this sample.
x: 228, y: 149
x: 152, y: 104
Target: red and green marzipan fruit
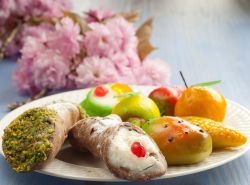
x: 180, y: 141
x: 166, y: 98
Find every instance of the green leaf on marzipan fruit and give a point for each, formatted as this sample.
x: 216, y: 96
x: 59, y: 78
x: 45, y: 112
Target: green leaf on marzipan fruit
x: 127, y: 94
x: 207, y: 83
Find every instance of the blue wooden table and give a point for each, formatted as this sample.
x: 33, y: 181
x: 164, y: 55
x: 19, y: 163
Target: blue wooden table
x: 207, y: 40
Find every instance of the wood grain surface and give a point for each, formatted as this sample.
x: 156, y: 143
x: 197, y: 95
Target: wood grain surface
x: 206, y: 39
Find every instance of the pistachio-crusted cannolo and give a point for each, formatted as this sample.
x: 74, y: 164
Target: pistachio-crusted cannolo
x: 35, y: 137
x: 126, y: 149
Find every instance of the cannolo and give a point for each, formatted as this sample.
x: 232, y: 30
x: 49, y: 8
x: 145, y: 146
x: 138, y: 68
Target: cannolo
x: 126, y: 149
x: 34, y: 138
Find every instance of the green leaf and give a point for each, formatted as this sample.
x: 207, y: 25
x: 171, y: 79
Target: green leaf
x: 207, y: 83
x: 127, y: 94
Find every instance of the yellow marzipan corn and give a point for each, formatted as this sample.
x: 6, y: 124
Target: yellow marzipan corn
x: 222, y: 136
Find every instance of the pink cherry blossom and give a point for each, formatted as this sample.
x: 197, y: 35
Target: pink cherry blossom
x: 6, y: 7
x: 123, y: 33
x: 32, y: 47
x: 40, y: 66
x: 40, y: 31
x: 23, y: 77
x: 94, y: 71
x: 14, y: 10
x: 65, y: 38
x: 153, y: 72
x: 106, y: 40
x: 48, y: 52
x: 39, y: 36
x: 50, y: 70
x: 27, y: 31
x: 125, y: 62
x: 46, y: 70
x: 99, y: 41
x: 34, y: 43
x: 43, y: 8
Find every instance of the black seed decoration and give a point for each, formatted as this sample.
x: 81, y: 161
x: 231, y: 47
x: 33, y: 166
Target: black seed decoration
x: 201, y: 130
x: 165, y: 126
x: 170, y: 140
x: 180, y: 121
x: 92, y: 131
x: 186, y: 132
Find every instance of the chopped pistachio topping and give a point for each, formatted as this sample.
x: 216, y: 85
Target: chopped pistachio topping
x: 27, y: 141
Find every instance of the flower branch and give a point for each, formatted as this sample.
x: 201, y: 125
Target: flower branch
x: 62, y: 50
x: 10, y: 37
x: 15, y: 105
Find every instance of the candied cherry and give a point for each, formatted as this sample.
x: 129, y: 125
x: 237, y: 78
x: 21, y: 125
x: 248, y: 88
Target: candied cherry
x: 138, y: 149
x: 101, y: 91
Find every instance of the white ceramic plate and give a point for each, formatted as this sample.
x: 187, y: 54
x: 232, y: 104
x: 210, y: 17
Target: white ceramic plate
x: 72, y: 165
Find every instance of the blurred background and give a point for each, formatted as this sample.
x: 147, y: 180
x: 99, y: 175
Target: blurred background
x: 207, y: 40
